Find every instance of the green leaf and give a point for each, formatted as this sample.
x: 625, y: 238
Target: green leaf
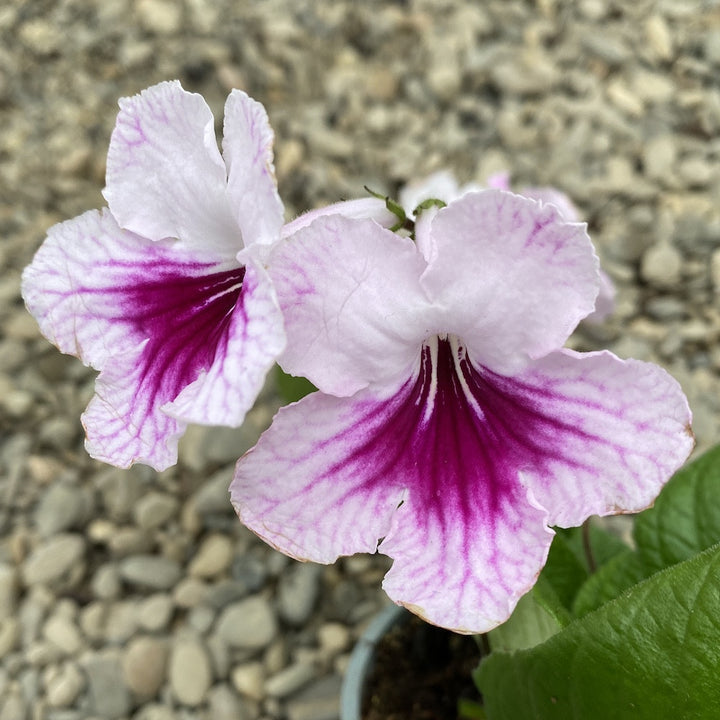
x: 567, y: 566
x: 530, y: 624
x: 652, y: 654
x: 291, y: 388
x: 620, y: 573
x: 686, y: 517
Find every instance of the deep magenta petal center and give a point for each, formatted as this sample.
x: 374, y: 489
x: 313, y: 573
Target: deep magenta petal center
x: 457, y: 438
x: 183, y: 313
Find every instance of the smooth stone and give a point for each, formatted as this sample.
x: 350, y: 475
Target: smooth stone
x: 249, y: 623
x: 106, y: 583
x: 189, y: 672
x: 154, y: 612
x: 120, y: 621
x: 58, y: 562
x: 333, y: 638
x: 8, y: 590
x: 155, y: 711
x: 212, y: 558
x: 64, y: 685
x: 155, y: 509
x: 59, y: 509
x: 661, y: 265
x: 63, y: 633
x: 143, y: 663
x: 190, y: 592
x: 289, y: 680
x: 109, y: 698
x: 249, y: 680
x: 249, y: 570
x: 317, y: 701
x: 10, y: 631
x: 12, y: 706
x: 150, y: 571
x: 224, y: 704
x: 213, y: 498
x: 297, y: 592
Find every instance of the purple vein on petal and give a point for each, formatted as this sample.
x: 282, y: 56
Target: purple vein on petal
x: 183, y: 312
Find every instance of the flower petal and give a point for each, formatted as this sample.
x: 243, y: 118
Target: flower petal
x: 605, y: 303
x: 252, y: 189
x: 514, y: 279
x: 153, y: 317
x: 424, y: 470
x: 354, y: 310
x: 254, y: 338
x: 441, y: 185
x: 363, y: 208
x: 612, y: 432
x: 165, y: 175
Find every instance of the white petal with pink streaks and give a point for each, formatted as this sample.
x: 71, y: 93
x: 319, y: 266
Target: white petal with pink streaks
x: 616, y: 431
x: 355, y: 313
x: 513, y: 278
x: 252, y: 189
x: 165, y: 174
x: 254, y: 338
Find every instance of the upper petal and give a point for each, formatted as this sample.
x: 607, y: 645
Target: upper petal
x: 363, y: 208
x: 441, y: 185
x: 513, y: 278
x: 252, y: 189
x: 354, y: 310
x: 612, y: 431
x: 165, y: 175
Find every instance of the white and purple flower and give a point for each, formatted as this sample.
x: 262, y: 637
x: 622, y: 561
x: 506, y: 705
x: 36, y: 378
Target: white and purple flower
x: 452, y: 429
x: 443, y: 186
x: 157, y: 291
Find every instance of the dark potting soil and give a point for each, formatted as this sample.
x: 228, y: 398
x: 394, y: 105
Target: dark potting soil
x: 420, y: 672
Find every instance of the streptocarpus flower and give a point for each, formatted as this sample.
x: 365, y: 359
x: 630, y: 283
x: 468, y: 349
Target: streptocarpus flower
x: 442, y: 185
x: 157, y: 291
x: 452, y: 430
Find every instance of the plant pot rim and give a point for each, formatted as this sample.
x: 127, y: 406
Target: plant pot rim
x: 361, y: 659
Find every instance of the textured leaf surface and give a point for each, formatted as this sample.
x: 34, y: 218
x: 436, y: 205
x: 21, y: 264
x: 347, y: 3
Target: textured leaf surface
x: 653, y: 653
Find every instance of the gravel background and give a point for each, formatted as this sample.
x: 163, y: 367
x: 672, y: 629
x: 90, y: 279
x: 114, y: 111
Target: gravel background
x: 128, y: 594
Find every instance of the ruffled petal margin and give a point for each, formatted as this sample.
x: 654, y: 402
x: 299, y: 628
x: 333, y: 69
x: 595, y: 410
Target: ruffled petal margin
x: 610, y: 432
x: 414, y: 473
x: 458, y: 473
x: 159, y: 323
x: 165, y: 175
x: 252, y: 189
x: 354, y: 311
x: 529, y: 276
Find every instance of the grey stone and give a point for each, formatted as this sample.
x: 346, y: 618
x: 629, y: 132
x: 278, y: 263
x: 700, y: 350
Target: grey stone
x: 109, y: 698
x: 289, y: 680
x: 661, y: 265
x: 150, y: 571
x: 213, y: 557
x: 297, y: 592
x: 58, y: 562
x: 190, y: 672
x: 224, y: 704
x: 249, y: 623
x: 8, y: 590
x: 318, y: 701
x: 64, y: 685
x: 155, y: 509
x: 144, y: 661
x: 154, y: 612
x: 59, y: 509
x: 62, y: 632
